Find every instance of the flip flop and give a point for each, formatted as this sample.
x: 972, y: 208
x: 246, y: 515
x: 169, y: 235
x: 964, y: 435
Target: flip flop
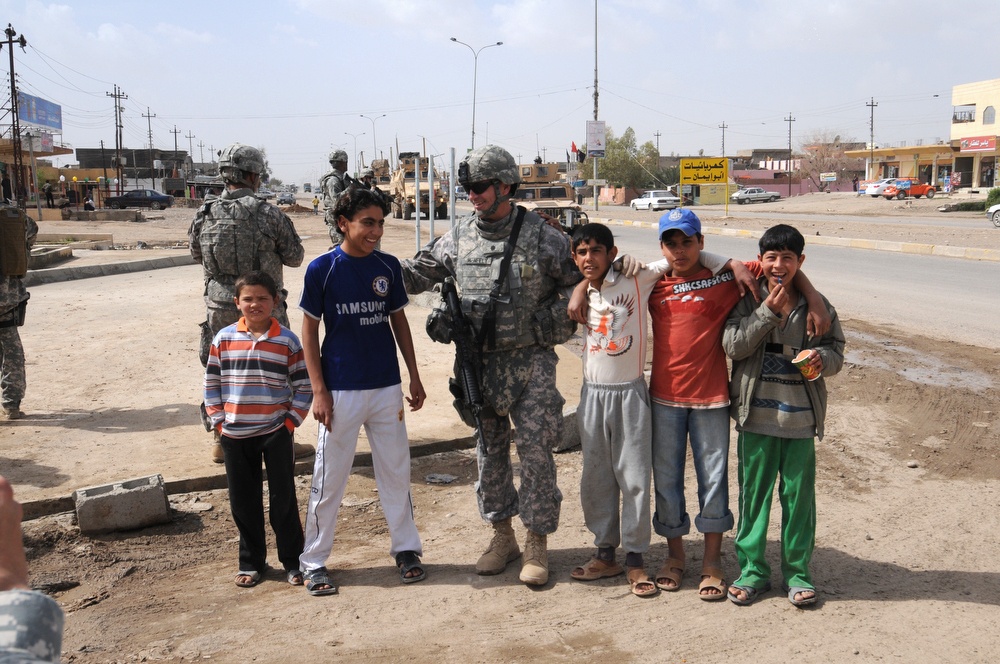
x: 752, y: 594
x: 294, y: 577
x: 806, y: 601
x: 669, y: 572
x: 254, y: 577
x: 712, y: 578
x: 595, y: 568
x: 316, y: 578
x: 407, y: 561
x: 637, y: 577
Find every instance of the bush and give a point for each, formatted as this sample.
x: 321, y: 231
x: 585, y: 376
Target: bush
x: 970, y: 206
x: 993, y: 197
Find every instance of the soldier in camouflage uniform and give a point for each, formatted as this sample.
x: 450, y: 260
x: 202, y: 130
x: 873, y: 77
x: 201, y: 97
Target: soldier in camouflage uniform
x: 13, y: 301
x: 332, y: 183
x: 518, y: 373
x: 31, y: 624
x: 237, y: 233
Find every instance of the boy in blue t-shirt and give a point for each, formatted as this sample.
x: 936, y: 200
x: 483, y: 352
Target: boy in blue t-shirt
x: 358, y: 293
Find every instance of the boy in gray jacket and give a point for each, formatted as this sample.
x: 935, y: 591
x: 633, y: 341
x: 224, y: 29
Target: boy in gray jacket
x: 778, y: 413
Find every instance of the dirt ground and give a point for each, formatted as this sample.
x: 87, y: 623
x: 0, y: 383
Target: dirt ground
x: 908, y: 487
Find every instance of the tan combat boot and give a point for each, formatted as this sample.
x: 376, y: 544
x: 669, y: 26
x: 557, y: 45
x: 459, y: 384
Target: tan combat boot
x: 218, y: 456
x: 503, y: 549
x: 535, y: 563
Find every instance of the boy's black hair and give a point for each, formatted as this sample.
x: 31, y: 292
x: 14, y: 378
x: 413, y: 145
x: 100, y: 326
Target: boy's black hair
x: 782, y: 238
x: 665, y: 236
x: 596, y: 232
x: 256, y: 278
x: 356, y: 198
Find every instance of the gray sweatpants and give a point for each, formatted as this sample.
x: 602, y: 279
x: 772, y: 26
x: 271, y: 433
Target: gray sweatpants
x: 616, y: 435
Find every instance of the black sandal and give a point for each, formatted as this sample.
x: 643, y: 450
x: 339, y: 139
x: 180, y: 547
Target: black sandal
x: 408, y: 561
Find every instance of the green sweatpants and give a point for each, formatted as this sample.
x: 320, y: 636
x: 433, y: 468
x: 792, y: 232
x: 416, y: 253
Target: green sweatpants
x: 761, y: 459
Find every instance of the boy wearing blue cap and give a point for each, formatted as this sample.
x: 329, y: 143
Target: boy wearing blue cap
x: 690, y: 396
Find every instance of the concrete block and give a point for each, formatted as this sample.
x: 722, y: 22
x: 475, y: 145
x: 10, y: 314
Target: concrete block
x: 571, y: 434
x: 126, y: 505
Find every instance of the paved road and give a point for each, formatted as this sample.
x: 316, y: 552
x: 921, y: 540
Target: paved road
x: 945, y: 298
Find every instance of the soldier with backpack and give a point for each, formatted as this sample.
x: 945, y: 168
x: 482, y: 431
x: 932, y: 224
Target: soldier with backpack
x: 236, y: 233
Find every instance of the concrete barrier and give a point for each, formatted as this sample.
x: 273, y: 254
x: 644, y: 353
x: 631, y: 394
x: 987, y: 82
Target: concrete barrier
x: 127, y: 505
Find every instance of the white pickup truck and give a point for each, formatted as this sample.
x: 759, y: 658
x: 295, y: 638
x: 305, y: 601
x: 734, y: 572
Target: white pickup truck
x: 754, y: 194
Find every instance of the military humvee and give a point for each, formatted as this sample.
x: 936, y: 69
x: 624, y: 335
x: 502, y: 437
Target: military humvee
x: 542, y: 191
x: 402, y: 189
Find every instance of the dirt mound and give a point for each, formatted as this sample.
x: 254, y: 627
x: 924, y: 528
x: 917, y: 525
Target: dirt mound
x: 296, y: 208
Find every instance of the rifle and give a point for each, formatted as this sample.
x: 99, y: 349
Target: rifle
x: 465, y: 386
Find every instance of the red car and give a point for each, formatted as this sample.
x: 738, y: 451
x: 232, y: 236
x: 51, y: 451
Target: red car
x: 904, y: 188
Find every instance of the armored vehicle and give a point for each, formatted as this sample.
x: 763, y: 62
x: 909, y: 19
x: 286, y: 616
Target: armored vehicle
x: 541, y: 190
x: 403, y: 191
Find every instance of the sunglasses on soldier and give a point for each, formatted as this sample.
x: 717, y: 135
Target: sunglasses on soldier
x: 478, y: 187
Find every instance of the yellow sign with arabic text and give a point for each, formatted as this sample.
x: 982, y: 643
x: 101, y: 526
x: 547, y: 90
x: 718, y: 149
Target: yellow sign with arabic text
x: 705, y: 170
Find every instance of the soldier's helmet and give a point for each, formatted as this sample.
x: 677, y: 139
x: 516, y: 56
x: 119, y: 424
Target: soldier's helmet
x: 491, y: 162
x: 367, y: 173
x: 338, y: 155
x: 237, y: 161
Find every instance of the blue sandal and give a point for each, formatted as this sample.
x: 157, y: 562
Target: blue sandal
x: 752, y: 594
x: 318, y: 582
x: 805, y: 601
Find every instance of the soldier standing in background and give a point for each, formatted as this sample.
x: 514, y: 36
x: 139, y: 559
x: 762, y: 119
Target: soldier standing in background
x: 332, y: 183
x: 518, y: 360
x: 13, y: 304
x: 237, y: 233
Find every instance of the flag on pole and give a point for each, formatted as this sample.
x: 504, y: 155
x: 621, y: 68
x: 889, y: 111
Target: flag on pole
x: 573, y: 149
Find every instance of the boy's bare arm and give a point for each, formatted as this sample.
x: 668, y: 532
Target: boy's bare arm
x: 322, y: 406
x: 578, y: 304
x: 818, y: 319
x: 401, y: 331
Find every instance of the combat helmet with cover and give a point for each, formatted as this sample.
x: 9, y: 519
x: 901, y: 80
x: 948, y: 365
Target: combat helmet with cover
x: 338, y: 155
x: 238, y: 161
x: 490, y: 163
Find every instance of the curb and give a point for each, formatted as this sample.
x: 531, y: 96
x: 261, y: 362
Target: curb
x: 943, y: 250
x: 57, y: 274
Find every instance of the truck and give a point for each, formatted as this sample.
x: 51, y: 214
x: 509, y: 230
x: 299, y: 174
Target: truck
x: 541, y: 190
x: 402, y: 189
x: 754, y: 195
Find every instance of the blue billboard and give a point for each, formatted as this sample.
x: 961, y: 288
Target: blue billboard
x: 39, y: 112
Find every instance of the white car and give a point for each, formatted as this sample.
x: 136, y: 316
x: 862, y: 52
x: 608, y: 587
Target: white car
x: 658, y: 199
x: 877, y: 188
x: 993, y: 214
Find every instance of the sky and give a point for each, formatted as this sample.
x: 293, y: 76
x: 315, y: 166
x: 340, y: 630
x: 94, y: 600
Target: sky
x: 297, y: 77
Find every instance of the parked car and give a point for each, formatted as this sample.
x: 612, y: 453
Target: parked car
x: 903, y: 188
x: 877, y: 188
x: 658, y: 199
x: 139, y: 198
x: 754, y: 195
x: 286, y: 198
x: 993, y: 214
x: 265, y: 193
x: 461, y: 194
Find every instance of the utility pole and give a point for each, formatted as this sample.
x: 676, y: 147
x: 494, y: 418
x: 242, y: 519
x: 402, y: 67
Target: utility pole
x: 597, y: 204
x: 149, y: 125
x: 657, y: 134
x: 789, y: 120
x: 118, y: 95
x: 175, y: 131
x: 189, y: 136
x: 723, y: 127
x: 17, y: 179
x: 201, y: 152
x: 871, y: 139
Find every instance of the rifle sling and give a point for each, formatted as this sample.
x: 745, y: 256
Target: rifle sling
x: 488, y: 331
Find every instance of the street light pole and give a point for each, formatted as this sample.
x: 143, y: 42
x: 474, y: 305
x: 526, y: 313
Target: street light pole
x: 355, y: 137
x: 374, y: 144
x: 475, y: 77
